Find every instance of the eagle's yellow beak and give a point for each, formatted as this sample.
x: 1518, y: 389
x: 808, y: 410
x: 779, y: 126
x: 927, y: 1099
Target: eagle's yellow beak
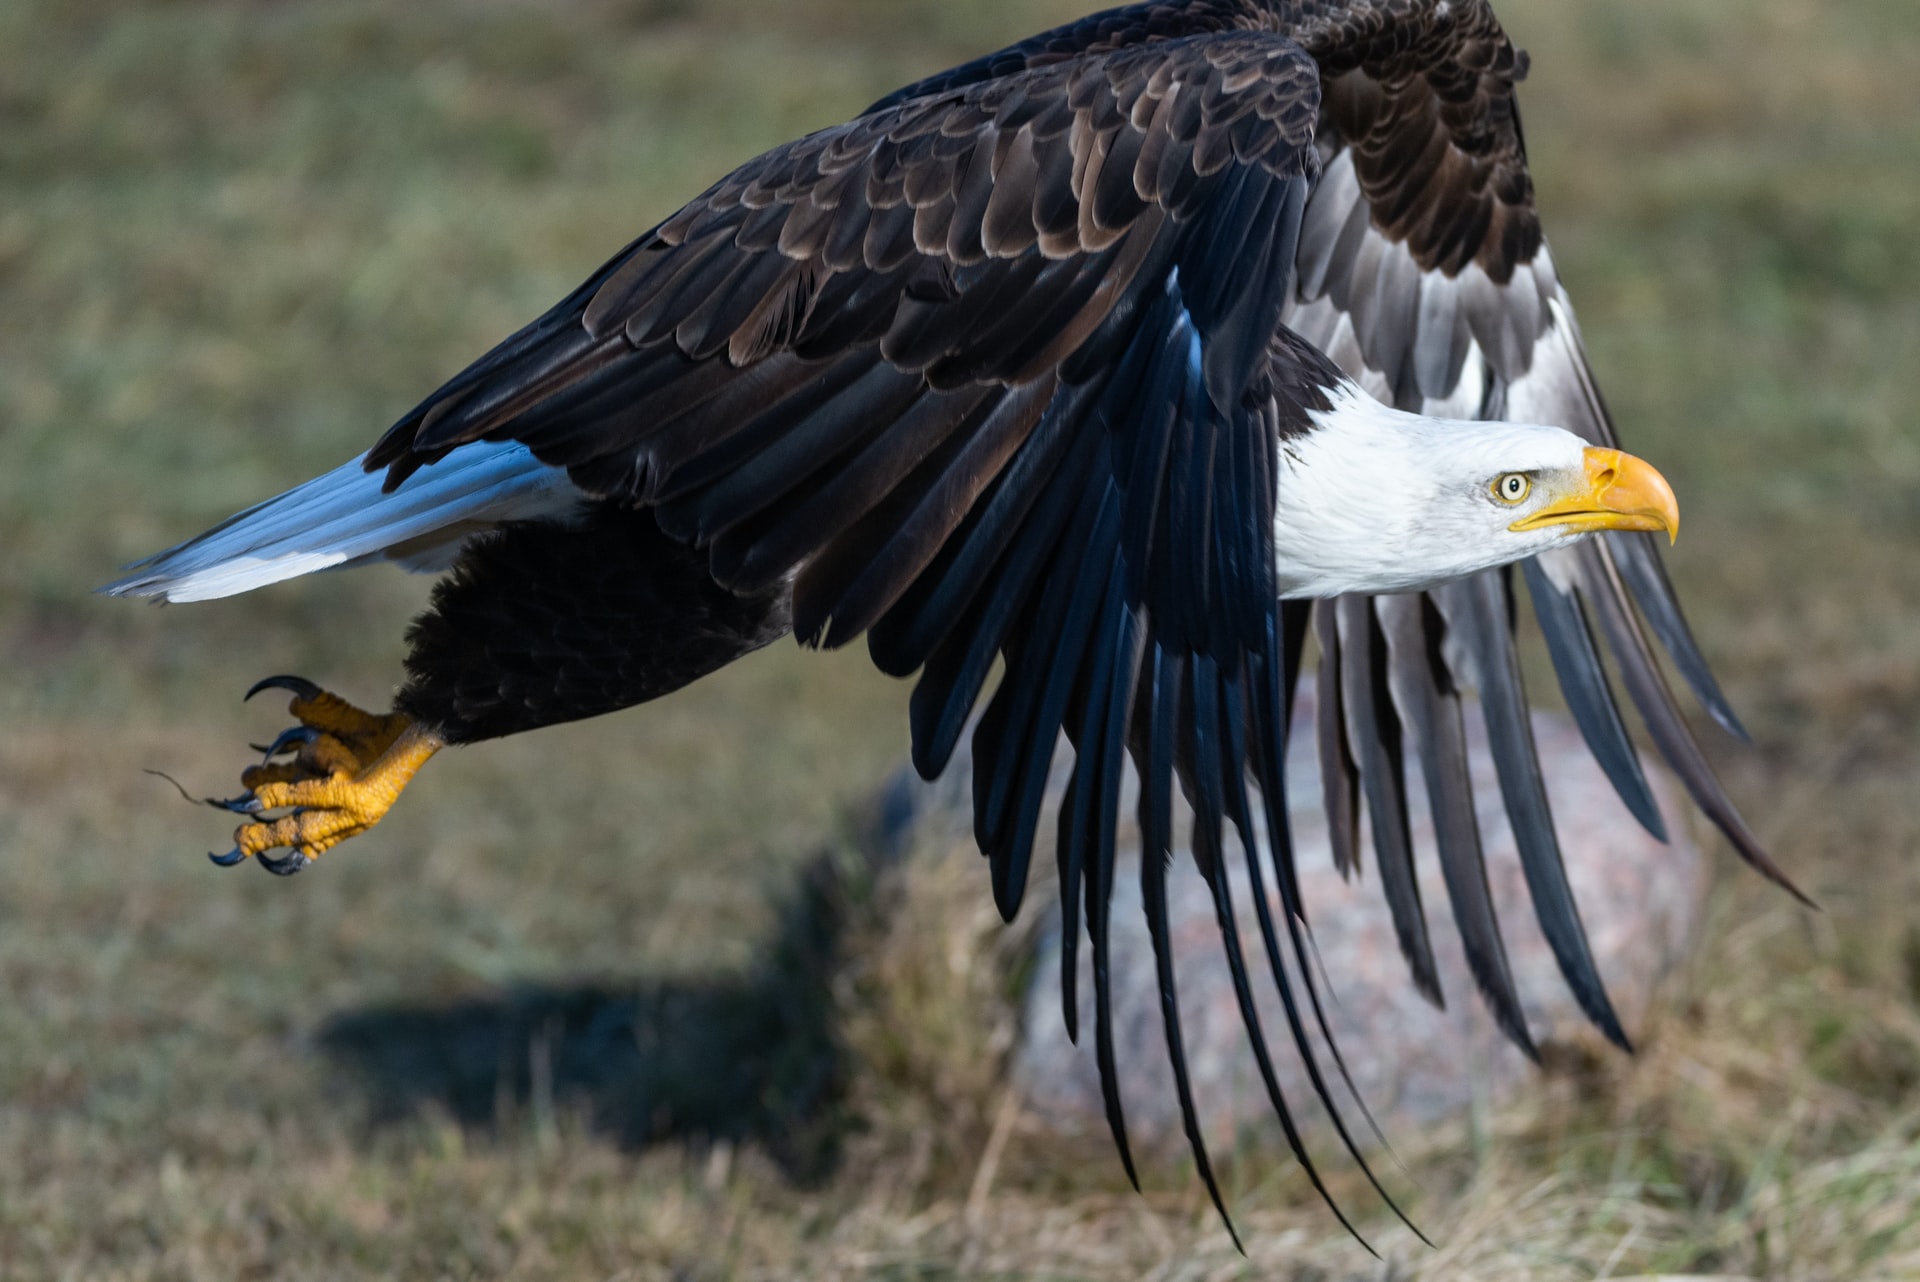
x: 1621, y: 493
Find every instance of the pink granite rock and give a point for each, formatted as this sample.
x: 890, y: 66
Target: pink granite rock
x: 1413, y: 1064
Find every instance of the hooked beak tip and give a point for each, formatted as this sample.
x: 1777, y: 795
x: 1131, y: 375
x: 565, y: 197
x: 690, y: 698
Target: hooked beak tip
x: 1621, y: 493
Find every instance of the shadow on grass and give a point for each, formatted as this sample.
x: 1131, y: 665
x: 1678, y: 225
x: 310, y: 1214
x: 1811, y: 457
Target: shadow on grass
x: 749, y: 1059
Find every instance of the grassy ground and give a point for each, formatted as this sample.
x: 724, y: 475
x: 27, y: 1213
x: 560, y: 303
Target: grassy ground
x: 551, y: 1021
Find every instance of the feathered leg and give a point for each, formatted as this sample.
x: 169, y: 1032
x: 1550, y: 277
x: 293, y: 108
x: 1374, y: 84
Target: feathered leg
x: 536, y: 624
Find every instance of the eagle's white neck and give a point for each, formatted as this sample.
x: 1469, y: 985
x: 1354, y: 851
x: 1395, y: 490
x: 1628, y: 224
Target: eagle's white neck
x: 1374, y: 499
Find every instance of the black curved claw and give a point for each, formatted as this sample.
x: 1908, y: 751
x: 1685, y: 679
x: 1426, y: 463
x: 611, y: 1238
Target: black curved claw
x: 299, y: 687
x: 283, y: 865
x: 244, y: 804
x: 302, y: 735
x: 227, y: 860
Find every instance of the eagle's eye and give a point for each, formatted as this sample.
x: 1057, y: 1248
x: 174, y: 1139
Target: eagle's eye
x: 1512, y: 487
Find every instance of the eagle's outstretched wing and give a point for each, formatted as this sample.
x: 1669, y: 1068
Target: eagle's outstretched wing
x: 1423, y: 272
x: 991, y: 373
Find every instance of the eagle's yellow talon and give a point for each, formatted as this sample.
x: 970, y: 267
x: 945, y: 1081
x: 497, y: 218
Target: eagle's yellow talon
x: 253, y: 778
x: 342, y: 781
x: 321, y: 757
x: 369, y: 732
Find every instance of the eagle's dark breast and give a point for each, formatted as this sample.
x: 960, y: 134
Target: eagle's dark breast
x: 541, y: 623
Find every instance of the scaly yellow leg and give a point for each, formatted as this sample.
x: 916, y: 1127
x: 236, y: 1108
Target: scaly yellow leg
x: 349, y: 767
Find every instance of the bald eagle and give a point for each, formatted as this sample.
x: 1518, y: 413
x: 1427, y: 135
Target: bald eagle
x: 1118, y: 362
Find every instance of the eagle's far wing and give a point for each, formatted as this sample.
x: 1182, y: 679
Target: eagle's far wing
x: 992, y: 374
x: 1424, y: 274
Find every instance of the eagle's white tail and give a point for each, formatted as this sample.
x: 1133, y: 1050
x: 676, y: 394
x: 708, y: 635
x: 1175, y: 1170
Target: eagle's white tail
x: 342, y: 519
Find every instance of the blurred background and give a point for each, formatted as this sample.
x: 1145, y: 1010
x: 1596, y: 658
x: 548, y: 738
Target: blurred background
x: 595, y: 1002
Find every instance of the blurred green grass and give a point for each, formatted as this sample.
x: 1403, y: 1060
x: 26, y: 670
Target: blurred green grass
x: 237, y: 238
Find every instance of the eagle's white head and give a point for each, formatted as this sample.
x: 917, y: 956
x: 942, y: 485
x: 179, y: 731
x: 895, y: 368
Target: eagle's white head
x: 1377, y: 500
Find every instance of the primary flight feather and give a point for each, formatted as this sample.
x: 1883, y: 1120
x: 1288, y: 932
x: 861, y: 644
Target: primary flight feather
x: 1102, y: 359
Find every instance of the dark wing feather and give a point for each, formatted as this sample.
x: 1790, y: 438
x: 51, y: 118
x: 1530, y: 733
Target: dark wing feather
x: 1339, y: 777
x: 1373, y: 729
x: 1430, y: 711
x: 1480, y: 654
x: 1422, y: 271
x: 1589, y: 696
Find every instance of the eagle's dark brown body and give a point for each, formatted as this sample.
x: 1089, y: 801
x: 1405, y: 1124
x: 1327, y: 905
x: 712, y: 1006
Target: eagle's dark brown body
x: 543, y: 623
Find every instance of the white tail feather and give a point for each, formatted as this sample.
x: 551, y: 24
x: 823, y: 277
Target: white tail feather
x: 342, y: 519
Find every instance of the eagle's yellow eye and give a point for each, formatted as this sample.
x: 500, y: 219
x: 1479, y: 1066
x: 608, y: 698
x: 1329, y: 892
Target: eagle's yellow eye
x: 1512, y: 487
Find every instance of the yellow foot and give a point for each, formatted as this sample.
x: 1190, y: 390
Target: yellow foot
x: 347, y: 769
